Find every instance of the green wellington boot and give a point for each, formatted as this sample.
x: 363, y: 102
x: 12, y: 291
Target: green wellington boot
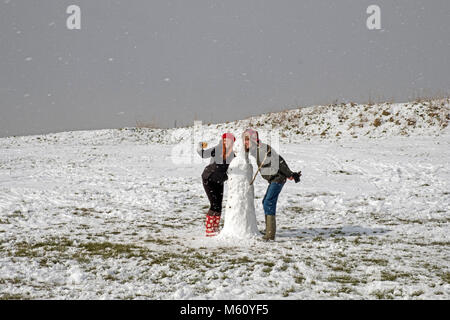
x: 271, y: 228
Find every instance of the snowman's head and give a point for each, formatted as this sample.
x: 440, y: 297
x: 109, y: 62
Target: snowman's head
x: 240, y: 151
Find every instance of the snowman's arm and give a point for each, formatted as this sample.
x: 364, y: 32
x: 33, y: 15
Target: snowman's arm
x: 206, y: 153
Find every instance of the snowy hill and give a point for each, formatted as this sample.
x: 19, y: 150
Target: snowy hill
x: 107, y: 214
x: 429, y: 118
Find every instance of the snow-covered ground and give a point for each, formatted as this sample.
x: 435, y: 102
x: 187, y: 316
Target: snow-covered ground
x: 108, y: 214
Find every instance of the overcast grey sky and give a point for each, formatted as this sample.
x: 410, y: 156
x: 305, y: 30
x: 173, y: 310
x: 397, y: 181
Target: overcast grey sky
x: 157, y: 61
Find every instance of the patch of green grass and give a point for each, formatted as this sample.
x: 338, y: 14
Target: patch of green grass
x: 383, y: 294
x: 33, y: 250
x: 267, y: 269
x: 432, y: 268
x: 441, y: 243
x: 296, y: 209
x: 167, y: 257
x: 13, y: 296
x: 239, y: 260
x: 80, y: 258
x: 339, y: 265
x: 110, y: 278
x: 288, y: 291
x: 417, y: 293
x: 386, y: 276
x: 203, y: 290
x: 111, y: 250
x: 299, y: 279
x: 158, y: 241
x: 337, y: 233
x: 411, y: 221
x: 179, y: 261
x: 345, y: 290
x: 341, y: 268
x: 65, y: 248
x: 343, y: 279
x: 376, y: 261
x: 301, y: 210
x: 446, y: 277
x: 11, y: 281
x: 171, y: 226
x: 268, y: 264
x: 16, y: 214
x: 284, y: 267
x: 392, y: 276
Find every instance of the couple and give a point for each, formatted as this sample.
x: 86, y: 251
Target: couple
x: 272, y: 167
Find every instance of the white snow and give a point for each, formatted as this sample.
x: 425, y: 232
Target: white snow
x: 107, y: 214
x: 75, y: 275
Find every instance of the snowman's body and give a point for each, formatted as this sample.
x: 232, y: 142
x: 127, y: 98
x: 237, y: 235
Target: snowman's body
x: 240, y: 218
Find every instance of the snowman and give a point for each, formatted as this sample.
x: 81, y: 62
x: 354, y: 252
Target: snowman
x: 240, y: 218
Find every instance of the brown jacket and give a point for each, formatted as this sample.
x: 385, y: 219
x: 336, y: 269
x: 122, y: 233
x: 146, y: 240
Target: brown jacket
x: 274, y: 168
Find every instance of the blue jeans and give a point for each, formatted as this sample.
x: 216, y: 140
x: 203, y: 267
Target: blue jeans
x: 271, y: 197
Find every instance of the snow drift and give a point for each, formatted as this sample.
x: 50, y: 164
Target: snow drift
x: 336, y: 121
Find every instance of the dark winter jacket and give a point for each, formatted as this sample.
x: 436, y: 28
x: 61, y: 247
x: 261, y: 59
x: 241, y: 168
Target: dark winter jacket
x: 216, y: 171
x: 274, y: 168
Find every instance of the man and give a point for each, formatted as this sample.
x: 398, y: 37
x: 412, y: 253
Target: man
x: 275, y: 170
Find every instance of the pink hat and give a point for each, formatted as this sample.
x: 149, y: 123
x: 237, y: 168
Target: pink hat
x: 253, y: 134
x: 228, y: 136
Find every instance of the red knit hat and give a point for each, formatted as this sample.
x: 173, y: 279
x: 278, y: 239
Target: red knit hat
x: 228, y: 136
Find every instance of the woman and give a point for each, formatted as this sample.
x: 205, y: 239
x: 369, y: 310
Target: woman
x: 214, y: 176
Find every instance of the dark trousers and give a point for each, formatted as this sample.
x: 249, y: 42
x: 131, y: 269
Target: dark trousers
x: 214, y: 191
